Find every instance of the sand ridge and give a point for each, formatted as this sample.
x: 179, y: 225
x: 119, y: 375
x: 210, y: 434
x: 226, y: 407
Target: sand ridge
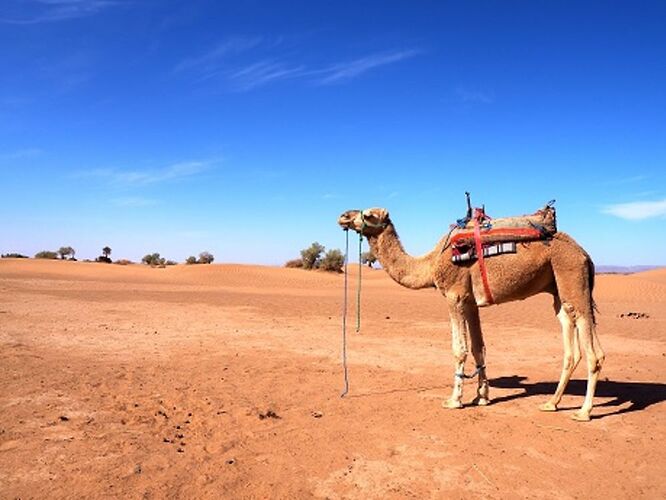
x: 224, y: 380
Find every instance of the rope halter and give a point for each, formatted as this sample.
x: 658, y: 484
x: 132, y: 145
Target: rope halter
x: 366, y: 223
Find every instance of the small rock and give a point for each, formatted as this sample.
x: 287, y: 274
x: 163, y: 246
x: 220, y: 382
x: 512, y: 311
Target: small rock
x: 635, y: 315
x: 231, y: 461
x: 317, y: 414
x: 269, y: 414
x: 137, y: 469
x: 63, y: 418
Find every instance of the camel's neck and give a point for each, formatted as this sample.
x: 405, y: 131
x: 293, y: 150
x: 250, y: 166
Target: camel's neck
x: 411, y: 272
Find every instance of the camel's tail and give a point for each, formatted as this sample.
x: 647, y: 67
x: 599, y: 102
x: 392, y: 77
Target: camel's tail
x: 591, y: 271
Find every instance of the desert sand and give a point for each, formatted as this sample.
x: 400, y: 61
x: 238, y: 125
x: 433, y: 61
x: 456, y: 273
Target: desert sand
x: 224, y: 381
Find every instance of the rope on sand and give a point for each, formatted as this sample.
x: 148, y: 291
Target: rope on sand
x: 344, y: 307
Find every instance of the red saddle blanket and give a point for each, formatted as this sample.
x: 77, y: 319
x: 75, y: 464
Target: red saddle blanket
x: 540, y: 225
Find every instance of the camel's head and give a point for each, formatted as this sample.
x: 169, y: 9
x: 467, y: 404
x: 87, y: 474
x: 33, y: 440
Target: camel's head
x: 368, y: 222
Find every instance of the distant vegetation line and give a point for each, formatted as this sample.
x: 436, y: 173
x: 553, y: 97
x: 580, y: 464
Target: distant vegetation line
x: 151, y: 259
x: 313, y: 257
x: 316, y: 257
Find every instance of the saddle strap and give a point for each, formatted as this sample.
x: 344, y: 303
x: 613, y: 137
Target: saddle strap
x: 481, y: 260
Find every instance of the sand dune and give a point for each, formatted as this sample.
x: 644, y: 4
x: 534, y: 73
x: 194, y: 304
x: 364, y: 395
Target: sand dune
x: 224, y: 380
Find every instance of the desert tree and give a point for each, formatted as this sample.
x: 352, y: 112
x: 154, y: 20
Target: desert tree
x: 311, y: 256
x: 66, y: 252
x: 333, y: 261
x: 368, y: 258
x: 206, y: 258
x: 106, y: 251
x: 153, y: 259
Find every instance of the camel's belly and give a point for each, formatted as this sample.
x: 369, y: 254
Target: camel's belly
x: 510, y: 278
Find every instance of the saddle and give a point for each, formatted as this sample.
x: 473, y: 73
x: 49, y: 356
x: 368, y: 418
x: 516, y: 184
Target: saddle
x: 497, y: 236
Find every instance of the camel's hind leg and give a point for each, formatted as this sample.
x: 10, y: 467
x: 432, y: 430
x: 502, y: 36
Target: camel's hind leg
x: 574, y: 277
x: 594, y: 355
x: 571, y: 354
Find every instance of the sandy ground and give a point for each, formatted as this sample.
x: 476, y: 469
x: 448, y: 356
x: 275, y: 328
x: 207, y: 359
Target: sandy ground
x: 224, y: 381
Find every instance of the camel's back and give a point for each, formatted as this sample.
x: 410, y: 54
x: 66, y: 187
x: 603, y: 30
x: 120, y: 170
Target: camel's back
x: 515, y: 276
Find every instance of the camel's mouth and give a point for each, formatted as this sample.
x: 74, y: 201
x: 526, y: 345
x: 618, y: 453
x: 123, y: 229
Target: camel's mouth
x: 369, y: 222
x: 351, y: 219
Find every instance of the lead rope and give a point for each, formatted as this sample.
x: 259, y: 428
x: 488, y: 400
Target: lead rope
x: 344, y: 320
x: 358, y: 288
x: 344, y: 307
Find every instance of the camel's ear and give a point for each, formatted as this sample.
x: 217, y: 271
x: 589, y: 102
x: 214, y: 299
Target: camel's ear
x: 380, y: 213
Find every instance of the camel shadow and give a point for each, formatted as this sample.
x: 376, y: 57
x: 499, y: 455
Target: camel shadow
x: 640, y: 395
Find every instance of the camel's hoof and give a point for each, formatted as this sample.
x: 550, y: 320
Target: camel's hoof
x: 479, y: 401
x: 452, y: 404
x: 548, y: 407
x: 580, y: 416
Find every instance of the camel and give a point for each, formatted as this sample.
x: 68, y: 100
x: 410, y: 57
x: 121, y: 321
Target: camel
x: 558, y: 266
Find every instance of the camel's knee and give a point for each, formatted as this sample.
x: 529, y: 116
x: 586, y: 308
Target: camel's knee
x: 570, y: 362
x: 576, y: 357
x: 459, y: 356
x: 594, y: 362
x: 600, y: 357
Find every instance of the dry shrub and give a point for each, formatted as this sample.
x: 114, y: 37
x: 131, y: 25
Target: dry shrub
x: 294, y: 264
x: 46, y: 254
x: 332, y: 261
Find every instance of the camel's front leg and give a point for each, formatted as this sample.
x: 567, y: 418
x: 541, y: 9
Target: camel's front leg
x: 479, y: 353
x: 459, y: 349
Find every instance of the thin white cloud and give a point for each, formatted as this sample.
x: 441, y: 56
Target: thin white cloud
x: 48, y: 11
x: 221, y: 64
x: 174, y: 172
x: 638, y: 210
x: 342, y: 72
x: 209, y: 62
x: 262, y: 73
x: 270, y: 71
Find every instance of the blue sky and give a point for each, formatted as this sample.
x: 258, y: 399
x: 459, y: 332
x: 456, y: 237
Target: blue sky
x: 245, y: 128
